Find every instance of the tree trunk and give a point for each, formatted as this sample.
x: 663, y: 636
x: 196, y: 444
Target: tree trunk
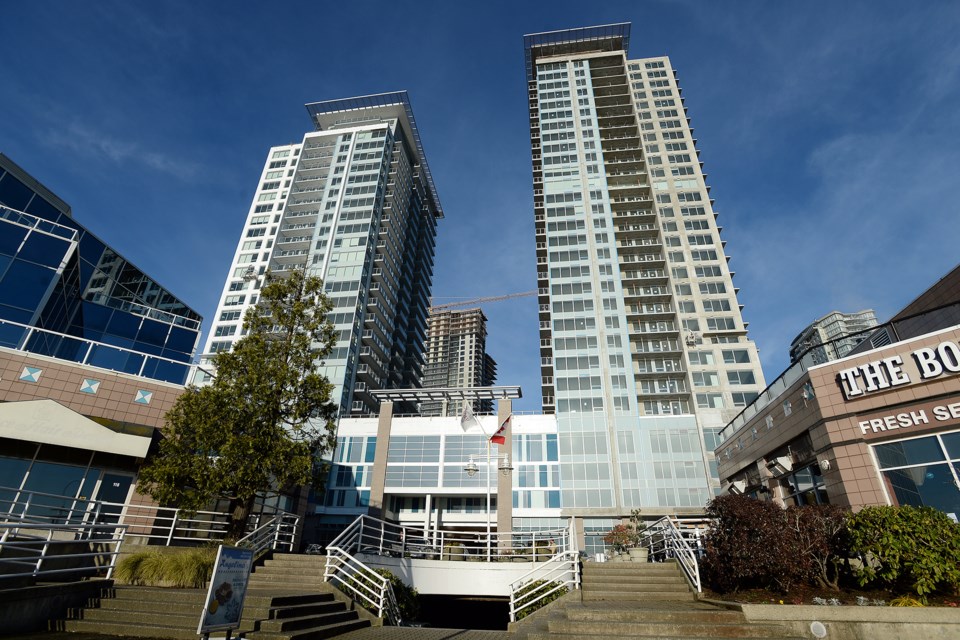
x: 238, y: 517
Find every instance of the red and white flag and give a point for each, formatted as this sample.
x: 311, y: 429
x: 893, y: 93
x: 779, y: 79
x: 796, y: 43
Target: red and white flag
x: 498, y: 437
x: 467, y: 419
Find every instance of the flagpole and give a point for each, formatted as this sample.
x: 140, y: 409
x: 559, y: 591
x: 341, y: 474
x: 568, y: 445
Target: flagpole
x: 488, y: 499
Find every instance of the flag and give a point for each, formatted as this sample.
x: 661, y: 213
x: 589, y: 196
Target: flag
x: 498, y: 437
x: 467, y: 418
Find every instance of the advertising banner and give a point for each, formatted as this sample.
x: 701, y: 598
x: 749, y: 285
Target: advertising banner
x: 228, y: 587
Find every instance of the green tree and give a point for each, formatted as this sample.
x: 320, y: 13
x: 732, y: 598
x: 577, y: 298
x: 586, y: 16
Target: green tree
x: 265, y: 419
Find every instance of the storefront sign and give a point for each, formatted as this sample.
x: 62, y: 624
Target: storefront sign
x: 922, y: 364
x: 919, y: 417
x: 228, y: 588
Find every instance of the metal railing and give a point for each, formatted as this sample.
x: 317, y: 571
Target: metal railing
x: 157, y: 525
x: 279, y: 532
x: 372, y: 590
x: 367, y: 535
x: 680, y: 539
x: 562, y: 571
x: 59, y: 552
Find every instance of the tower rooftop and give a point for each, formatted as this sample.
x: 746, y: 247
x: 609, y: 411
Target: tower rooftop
x: 607, y: 37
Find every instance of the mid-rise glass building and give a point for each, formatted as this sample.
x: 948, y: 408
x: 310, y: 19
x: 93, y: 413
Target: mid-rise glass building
x: 644, y: 353
x: 64, y: 293
x: 354, y: 203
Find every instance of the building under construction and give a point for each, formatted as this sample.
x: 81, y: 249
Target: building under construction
x: 457, y: 357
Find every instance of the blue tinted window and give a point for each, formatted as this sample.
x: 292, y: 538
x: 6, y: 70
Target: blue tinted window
x: 24, y: 284
x: 11, y: 236
x: 166, y: 371
x: 552, y: 447
x: 10, y: 335
x: 115, y: 359
x: 153, y: 332
x: 44, y: 249
x: 907, y: 452
x: 181, y: 340
x: 40, y: 207
x: 95, y: 319
x: 14, y: 193
x: 952, y: 442
x: 124, y: 325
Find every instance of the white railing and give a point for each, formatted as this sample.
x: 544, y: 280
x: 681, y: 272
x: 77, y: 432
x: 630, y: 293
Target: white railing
x: 680, y: 539
x: 360, y: 582
x: 157, y: 525
x: 560, y: 572
x: 367, y: 535
x: 30, y: 550
x: 279, y: 532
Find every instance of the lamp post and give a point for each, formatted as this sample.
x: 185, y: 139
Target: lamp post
x: 503, y: 465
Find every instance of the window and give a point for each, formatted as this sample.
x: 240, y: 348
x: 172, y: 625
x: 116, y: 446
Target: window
x: 709, y: 401
x: 742, y: 399
x: 721, y: 324
x: 741, y: 377
x: 701, y: 357
x: 716, y: 305
x: 225, y: 330
x: 713, y: 288
x: 735, y: 356
x: 706, y: 379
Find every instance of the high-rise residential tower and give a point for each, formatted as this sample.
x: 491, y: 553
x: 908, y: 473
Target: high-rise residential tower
x: 824, y: 339
x: 457, y: 357
x: 355, y: 204
x: 644, y: 353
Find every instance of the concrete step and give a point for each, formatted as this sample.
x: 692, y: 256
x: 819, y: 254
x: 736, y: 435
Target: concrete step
x: 642, y: 587
x: 629, y: 567
x: 106, y: 628
x: 716, y: 616
x: 646, y: 630
x: 293, y: 570
x: 307, y: 622
x: 174, y: 619
x: 636, y: 597
x: 300, y: 610
x: 316, y: 633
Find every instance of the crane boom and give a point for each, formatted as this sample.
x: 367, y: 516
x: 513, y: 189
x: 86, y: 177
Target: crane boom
x: 473, y: 301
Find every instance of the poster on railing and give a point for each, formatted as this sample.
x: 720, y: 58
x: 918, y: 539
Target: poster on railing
x: 228, y: 588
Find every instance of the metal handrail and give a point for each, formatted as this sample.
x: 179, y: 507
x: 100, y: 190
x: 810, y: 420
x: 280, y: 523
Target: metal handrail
x: 561, y: 571
x: 277, y: 533
x: 362, y: 583
x: 368, y: 535
x: 670, y: 538
x: 37, y: 545
x: 161, y: 525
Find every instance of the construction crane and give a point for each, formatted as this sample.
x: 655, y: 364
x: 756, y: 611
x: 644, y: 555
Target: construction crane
x: 475, y: 301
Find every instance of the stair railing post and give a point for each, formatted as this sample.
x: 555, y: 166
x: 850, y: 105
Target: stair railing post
x: 173, y: 525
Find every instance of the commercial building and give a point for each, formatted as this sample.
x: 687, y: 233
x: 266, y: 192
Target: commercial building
x: 457, y: 358
x: 644, y: 353
x: 832, y: 337
x: 355, y: 204
x: 880, y: 426
x: 93, y: 352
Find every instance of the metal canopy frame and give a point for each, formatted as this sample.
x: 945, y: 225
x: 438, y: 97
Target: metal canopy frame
x: 572, y: 41
x: 448, y: 393
x: 373, y: 101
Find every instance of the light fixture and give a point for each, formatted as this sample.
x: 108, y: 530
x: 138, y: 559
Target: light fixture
x: 504, y: 465
x: 471, y: 467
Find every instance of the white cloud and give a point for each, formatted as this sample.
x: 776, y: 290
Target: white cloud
x: 87, y: 141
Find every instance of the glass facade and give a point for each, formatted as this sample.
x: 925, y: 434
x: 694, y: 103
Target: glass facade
x: 644, y: 354
x: 354, y: 203
x: 65, y: 294
x: 923, y: 471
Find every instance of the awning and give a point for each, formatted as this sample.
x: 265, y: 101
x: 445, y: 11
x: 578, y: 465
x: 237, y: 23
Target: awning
x: 49, y: 422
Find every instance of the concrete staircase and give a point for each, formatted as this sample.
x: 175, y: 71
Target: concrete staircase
x: 642, y: 600
x: 285, y: 601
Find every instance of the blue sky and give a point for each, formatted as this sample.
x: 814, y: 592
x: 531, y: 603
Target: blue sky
x: 829, y: 131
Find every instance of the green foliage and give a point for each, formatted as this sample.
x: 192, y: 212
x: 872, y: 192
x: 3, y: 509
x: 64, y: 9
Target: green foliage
x: 266, y: 418
x: 907, y: 548
x: 756, y: 544
x: 167, y: 568
x: 408, y: 599
x: 625, y: 536
x: 906, y: 601
x: 534, y: 589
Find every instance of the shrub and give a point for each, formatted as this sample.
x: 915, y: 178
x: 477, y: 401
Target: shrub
x: 167, y: 568
x: 534, y: 589
x: 747, y: 546
x: 821, y: 542
x: 408, y: 600
x: 906, y: 548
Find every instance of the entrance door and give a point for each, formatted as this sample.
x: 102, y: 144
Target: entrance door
x: 114, y: 487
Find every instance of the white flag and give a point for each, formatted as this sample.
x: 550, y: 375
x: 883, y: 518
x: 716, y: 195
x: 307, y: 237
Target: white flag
x: 467, y: 418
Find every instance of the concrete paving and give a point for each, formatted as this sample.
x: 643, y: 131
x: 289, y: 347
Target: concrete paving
x: 424, y: 633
